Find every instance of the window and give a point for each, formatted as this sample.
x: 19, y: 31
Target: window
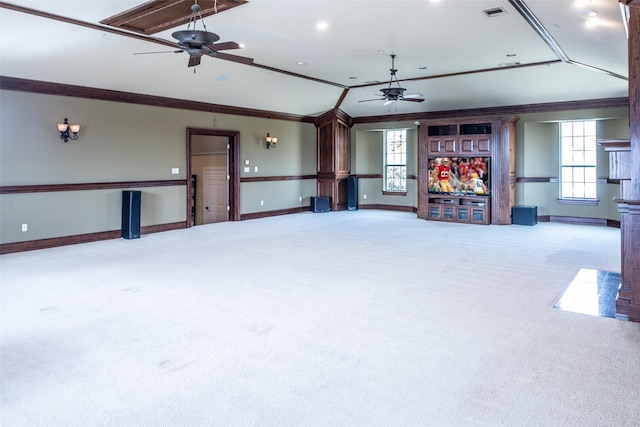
x: 578, y: 160
x: 395, y: 161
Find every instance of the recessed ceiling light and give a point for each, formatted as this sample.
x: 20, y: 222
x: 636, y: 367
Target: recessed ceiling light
x: 222, y: 78
x: 322, y: 25
x: 422, y: 68
x: 353, y: 78
x: 510, y: 55
x: 301, y: 63
x: 380, y: 52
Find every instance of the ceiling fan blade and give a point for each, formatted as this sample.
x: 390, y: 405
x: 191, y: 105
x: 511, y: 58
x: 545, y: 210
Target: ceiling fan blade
x: 367, y: 100
x: 223, y: 46
x: 412, y: 99
x: 390, y: 101
x: 153, y: 53
x: 414, y: 95
x: 233, y: 58
x: 194, y: 60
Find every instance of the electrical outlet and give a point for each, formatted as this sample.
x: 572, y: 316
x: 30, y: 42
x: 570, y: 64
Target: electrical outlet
x: 300, y: 198
x: 261, y: 202
x: 175, y: 171
x: 24, y: 228
x: 364, y: 196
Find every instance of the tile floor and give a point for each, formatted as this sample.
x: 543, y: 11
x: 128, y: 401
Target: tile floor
x: 591, y: 292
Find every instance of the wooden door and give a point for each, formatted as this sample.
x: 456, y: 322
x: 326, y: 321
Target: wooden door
x: 215, y: 194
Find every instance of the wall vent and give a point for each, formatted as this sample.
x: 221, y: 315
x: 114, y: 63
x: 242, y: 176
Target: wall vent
x: 494, y: 11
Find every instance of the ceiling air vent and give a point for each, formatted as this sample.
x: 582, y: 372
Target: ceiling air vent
x: 494, y: 11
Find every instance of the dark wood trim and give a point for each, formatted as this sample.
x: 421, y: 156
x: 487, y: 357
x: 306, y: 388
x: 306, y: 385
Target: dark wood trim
x: 49, y: 188
x: 499, y: 111
x: 300, y: 76
x: 394, y: 193
x: 613, y: 223
x: 59, y: 89
x: 266, y: 214
x: 153, y: 17
x: 463, y: 73
x: 615, y: 144
x: 521, y: 179
x: 578, y: 220
x: 388, y: 207
x: 369, y: 176
x: 47, y: 88
x: 102, y: 28
x: 579, y: 202
x: 553, y: 179
x: 31, y: 245
x: 277, y: 178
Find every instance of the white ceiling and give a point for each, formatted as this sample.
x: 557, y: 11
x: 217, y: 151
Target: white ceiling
x: 454, y: 39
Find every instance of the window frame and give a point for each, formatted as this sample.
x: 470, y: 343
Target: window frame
x: 386, y: 190
x: 583, y: 161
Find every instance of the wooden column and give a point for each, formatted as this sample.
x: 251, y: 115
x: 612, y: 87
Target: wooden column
x: 503, y: 173
x: 333, y: 138
x: 628, y: 302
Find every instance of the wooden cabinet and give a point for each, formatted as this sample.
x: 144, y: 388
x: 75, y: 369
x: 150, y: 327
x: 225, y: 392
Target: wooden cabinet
x: 475, y: 145
x: 472, y: 209
x: 462, y: 141
x: 443, y: 146
x: 465, y: 139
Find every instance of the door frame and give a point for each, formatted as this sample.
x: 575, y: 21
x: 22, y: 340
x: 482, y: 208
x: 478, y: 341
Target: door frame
x: 233, y: 165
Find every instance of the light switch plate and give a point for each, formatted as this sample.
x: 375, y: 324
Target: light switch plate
x: 175, y: 171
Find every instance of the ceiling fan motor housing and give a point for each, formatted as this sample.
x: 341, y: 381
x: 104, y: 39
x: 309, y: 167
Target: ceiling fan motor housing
x: 393, y: 92
x: 194, y: 38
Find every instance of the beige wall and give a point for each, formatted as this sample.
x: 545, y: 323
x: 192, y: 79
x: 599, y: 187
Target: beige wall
x: 126, y: 142
x: 367, y: 157
x: 537, y: 155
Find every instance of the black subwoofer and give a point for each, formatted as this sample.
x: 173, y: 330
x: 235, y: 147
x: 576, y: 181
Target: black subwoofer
x: 131, y: 214
x: 524, y: 215
x: 320, y: 204
x: 352, y: 193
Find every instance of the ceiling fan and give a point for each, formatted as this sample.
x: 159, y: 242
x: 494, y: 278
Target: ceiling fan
x: 395, y: 93
x: 198, y: 43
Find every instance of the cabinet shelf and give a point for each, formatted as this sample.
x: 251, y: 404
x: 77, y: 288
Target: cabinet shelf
x: 470, y: 209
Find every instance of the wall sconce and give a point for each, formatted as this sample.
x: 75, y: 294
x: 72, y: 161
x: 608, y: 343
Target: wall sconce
x: 270, y: 141
x: 64, y: 129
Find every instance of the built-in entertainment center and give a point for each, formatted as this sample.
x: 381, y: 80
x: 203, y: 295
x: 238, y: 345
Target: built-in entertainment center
x: 466, y: 170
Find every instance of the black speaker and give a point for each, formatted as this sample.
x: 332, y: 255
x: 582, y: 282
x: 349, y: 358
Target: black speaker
x: 320, y: 204
x: 352, y: 193
x: 524, y: 215
x: 131, y: 214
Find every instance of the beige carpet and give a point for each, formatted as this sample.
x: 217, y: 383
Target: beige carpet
x: 364, y: 318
